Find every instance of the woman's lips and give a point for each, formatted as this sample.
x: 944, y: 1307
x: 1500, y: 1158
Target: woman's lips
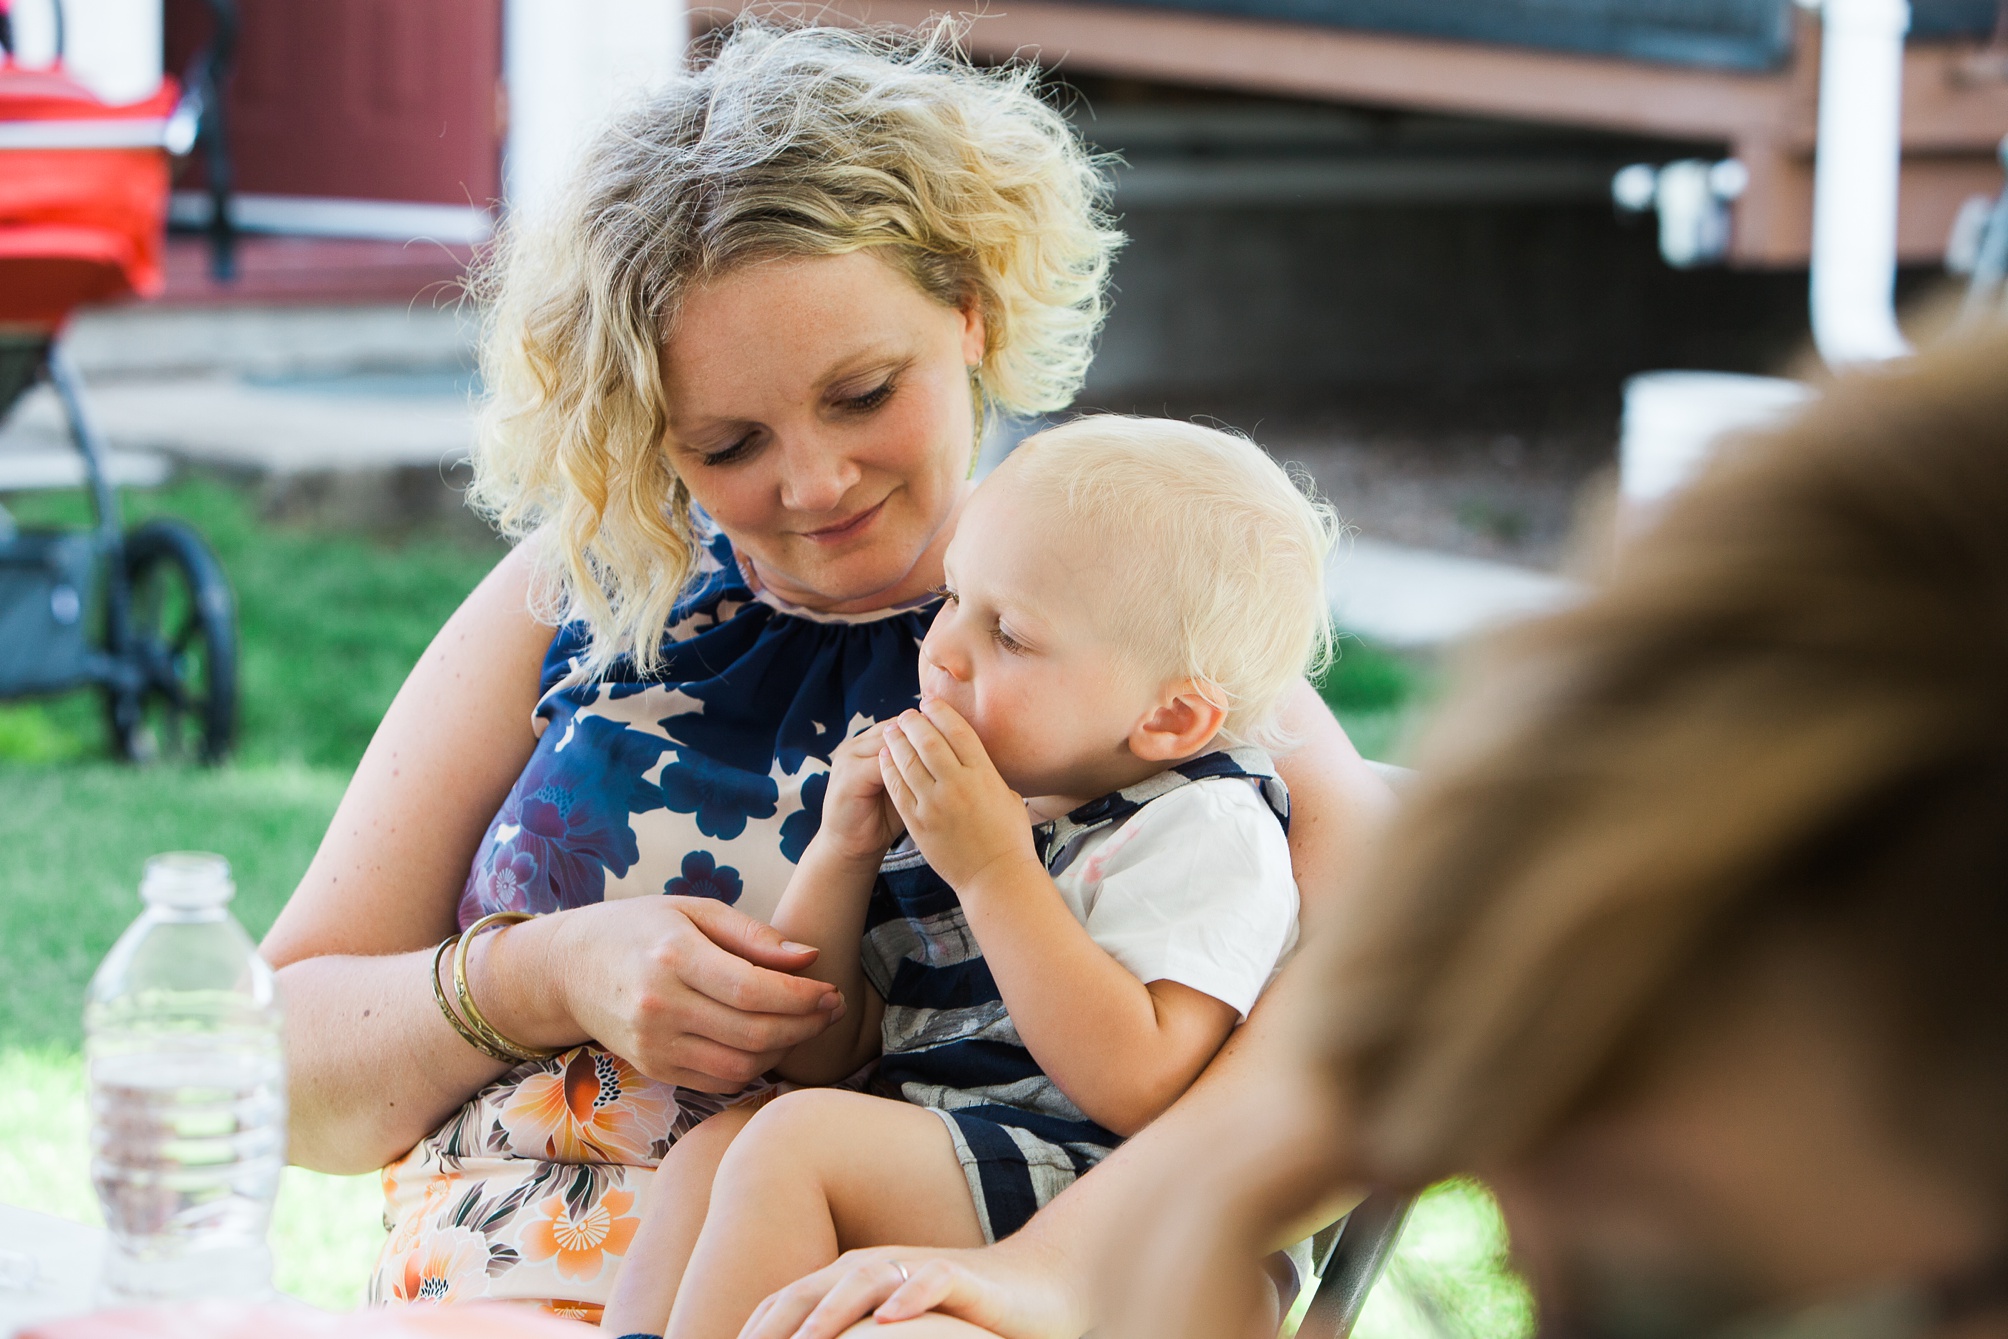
x: 845, y: 529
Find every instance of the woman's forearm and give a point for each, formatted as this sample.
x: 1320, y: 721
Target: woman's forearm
x: 1069, y: 1233
x: 1094, y: 1207
x: 374, y: 1066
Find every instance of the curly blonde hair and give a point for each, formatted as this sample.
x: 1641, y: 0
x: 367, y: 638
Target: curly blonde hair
x: 782, y: 142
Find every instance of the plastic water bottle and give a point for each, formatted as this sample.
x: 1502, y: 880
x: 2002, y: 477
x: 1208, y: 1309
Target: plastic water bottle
x: 188, y: 1093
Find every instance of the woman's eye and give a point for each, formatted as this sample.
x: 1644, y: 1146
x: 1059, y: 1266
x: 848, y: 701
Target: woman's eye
x: 871, y: 399
x: 739, y: 450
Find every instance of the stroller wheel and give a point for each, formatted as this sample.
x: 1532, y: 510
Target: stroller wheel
x: 181, y: 637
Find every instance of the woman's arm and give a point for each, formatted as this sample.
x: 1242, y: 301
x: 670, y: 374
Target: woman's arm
x: 1042, y: 1281
x: 1337, y: 803
x: 373, y: 1067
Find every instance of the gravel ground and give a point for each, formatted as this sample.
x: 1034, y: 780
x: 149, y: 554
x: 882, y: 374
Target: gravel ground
x: 1500, y: 475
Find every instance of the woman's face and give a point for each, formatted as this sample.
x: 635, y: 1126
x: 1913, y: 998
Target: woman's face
x: 820, y: 412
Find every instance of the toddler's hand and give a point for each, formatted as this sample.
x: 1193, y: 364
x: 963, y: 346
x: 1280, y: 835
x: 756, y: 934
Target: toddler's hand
x: 859, y: 821
x: 967, y: 822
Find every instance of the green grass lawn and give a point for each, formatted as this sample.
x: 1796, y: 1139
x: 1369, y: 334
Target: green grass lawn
x: 1449, y: 1278
x: 1377, y: 696
x: 330, y: 625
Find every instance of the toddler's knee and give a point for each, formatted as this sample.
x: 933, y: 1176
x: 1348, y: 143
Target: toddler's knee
x: 793, y: 1117
x: 713, y: 1135
x: 775, y: 1139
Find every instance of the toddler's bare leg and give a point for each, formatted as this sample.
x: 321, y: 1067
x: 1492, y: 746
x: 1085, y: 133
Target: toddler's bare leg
x: 816, y: 1173
x: 672, y: 1213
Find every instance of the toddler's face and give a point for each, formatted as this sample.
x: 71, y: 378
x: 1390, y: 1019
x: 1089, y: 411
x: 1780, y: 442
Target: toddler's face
x: 1022, y: 650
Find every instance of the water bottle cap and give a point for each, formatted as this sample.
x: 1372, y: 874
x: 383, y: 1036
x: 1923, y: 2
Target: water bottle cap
x: 187, y: 881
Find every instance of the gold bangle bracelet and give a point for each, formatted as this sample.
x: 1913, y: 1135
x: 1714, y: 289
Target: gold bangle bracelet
x: 446, y: 1010
x: 498, y: 1046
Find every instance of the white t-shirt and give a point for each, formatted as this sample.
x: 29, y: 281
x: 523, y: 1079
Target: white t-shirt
x: 1195, y: 888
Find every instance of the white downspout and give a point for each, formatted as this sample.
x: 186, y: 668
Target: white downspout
x: 1855, y: 174
x: 566, y: 65
x: 1673, y: 421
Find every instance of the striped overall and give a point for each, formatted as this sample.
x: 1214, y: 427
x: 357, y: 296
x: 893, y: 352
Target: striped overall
x: 949, y: 1044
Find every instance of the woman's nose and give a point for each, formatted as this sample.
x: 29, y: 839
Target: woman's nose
x: 816, y: 476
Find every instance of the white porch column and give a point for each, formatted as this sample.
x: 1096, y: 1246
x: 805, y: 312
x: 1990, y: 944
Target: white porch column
x: 567, y: 64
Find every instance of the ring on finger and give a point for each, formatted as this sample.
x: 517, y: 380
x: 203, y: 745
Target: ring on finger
x: 904, y: 1277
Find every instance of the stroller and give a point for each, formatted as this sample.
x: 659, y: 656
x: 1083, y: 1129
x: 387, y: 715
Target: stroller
x: 144, y: 616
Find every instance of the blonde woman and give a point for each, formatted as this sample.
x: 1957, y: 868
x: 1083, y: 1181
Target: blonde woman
x: 736, y: 389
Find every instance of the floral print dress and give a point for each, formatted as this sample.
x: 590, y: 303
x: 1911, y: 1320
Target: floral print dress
x: 704, y: 780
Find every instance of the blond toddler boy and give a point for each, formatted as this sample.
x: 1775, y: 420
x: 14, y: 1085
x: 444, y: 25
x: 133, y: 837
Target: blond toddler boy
x: 1048, y: 894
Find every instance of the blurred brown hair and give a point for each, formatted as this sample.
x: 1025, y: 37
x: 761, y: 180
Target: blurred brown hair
x: 1785, y: 713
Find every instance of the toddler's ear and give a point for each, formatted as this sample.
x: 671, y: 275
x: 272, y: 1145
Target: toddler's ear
x: 1179, y: 726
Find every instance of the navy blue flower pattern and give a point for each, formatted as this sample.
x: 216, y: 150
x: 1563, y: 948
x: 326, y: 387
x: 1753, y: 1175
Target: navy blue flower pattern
x: 721, y: 797
x: 566, y: 823
x: 703, y: 876
x: 800, y: 826
x: 705, y: 778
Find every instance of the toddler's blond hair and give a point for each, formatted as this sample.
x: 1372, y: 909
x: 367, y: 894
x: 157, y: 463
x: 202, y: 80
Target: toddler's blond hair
x: 1220, y: 554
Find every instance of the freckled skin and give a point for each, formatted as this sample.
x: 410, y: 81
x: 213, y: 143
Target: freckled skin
x: 854, y: 413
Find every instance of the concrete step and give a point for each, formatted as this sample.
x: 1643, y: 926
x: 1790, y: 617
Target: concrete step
x: 151, y: 341
x: 34, y: 469
x: 1413, y: 598
x: 374, y: 450
x: 270, y: 427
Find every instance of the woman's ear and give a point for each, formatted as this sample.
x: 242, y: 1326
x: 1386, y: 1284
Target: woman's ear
x: 975, y: 333
x: 1178, y: 727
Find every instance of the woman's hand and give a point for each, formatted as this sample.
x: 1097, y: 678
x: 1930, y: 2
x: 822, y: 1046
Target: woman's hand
x: 859, y: 821
x: 686, y: 989
x: 1013, y: 1289
x: 966, y: 821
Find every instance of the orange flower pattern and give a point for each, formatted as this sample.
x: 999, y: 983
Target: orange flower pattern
x: 527, y: 1194
x: 448, y: 1266
x: 580, y: 1242
x: 598, y: 1108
